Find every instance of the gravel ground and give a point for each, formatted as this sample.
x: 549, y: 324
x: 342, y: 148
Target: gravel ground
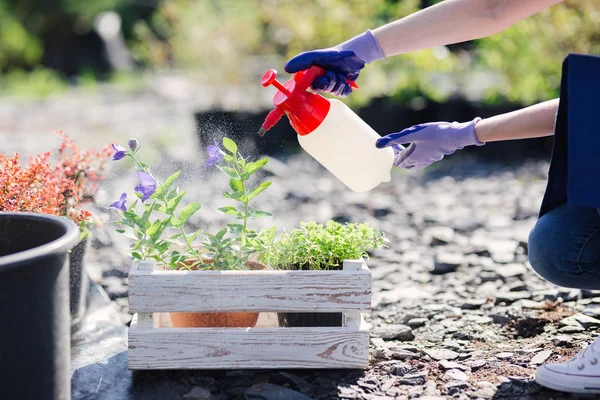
x: 457, y: 311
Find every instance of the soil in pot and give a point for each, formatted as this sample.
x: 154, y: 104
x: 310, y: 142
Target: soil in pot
x: 309, y: 319
x: 221, y: 319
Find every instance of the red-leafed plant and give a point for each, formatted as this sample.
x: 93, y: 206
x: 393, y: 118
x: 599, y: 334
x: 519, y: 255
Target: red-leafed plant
x: 57, y: 188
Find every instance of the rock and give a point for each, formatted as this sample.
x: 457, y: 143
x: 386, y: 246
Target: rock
x: 473, y: 304
x: 569, y: 294
x: 200, y: 393
x: 115, y: 287
x: 441, y: 354
x: 404, y: 355
x: 445, y: 262
x: 269, y: 391
x: 456, y: 374
x: 541, y: 357
x: 393, y: 332
x: 439, y: 235
x: 586, y: 321
x: 562, y: 341
x: 504, y: 355
x: 571, y: 329
x: 445, y: 364
x: 510, y: 270
x: 417, y: 322
x: 418, y: 378
x: 476, y: 364
x: 511, y: 297
x: 592, y: 310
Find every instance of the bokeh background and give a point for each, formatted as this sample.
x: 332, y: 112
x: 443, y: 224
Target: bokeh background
x: 180, y: 71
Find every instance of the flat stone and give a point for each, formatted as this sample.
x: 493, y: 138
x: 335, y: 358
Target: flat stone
x: 269, y: 391
x: 504, y: 355
x: 510, y: 270
x: 511, y: 297
x: 562, y: 341
x: 445, y: 262
x: 571, y: 329
x: 586, y: 321
x: 200, y: 393
x: 541, y: 357
x: 445, y: 364
x: 393, y: 332
x: 473, y: 304
x: 441, y: 354
x: 456, y: 374
x: 417, y: 322
x: 439, y: 235
x: 476, y: 364
x: 414, y: 379
x: 404, y: 355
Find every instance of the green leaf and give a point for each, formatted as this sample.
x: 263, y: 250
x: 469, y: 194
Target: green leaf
x: 230, y: 172
x: 153, y: 228
x: 259, y: 189
x: 239, y: 196
x: 252, y: 167
x: 221, y: 234
x: 174, y: 202
x: 136, y: 255
x: 259, y: 214
x: 229, y: 210
x: 236, y: 185
x: 121, y: 230
x: 188, y: 211
x: 230, y: 145
x: 192, y: 236
x: 235, y: 228
x: 169, y: 181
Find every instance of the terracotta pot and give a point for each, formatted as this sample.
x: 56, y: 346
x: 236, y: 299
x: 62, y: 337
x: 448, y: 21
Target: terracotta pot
x: 222, y: 319
x: 206, y: 320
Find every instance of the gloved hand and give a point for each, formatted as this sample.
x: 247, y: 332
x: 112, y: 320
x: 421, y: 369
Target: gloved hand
x: 342, y: 62
x: 430, y: 142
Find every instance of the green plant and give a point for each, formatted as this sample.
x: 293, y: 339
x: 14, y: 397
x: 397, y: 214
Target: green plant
x: 165, y: 239
x: 319, y: 247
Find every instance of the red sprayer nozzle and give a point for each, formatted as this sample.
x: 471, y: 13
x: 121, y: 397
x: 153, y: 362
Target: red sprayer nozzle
x: 305, y: 110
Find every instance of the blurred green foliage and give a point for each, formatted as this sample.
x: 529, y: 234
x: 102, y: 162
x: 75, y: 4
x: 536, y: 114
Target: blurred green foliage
x: 234, y: 41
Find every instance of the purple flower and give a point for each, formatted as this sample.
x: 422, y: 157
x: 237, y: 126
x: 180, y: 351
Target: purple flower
x: 147, y: 185
x: 215, y: 154
x: 119, y: 204
x: 119, y: 152
x: 133, y: 144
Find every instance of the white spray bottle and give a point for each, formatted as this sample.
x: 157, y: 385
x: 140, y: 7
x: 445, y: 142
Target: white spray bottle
x: 330, y: 132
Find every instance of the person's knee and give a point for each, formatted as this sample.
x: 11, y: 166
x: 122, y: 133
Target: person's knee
x: 545, y: 249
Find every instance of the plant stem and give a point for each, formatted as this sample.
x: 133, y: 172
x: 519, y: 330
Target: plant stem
x: 245, y: 216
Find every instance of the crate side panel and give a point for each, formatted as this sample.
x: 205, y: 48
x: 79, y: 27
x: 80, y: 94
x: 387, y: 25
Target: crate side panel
x: 218, y: 291
x: 216, y: 348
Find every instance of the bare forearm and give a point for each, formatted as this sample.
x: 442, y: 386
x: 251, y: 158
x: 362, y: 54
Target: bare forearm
x: 454, y: 21
x: 535, y: 121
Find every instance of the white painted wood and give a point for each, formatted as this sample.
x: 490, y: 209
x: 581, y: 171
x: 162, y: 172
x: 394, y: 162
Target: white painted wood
x: 353, y: 318
x: 222, y: 348
x: 216, y: 291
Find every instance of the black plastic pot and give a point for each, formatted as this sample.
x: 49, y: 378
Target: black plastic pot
x: 79, y: 281
x: 34, y: 306
x: 295, y: 320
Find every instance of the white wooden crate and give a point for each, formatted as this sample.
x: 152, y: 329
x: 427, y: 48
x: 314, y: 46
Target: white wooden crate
x: 153, y: 344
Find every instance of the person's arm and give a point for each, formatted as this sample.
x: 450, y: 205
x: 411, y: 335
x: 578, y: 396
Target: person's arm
x: 534, y: 121
x: 431, y: 141
x: 454, y: 21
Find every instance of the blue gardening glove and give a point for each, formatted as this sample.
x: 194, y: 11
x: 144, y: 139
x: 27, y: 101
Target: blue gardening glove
x: 342, y: 62
x: 430, y: 142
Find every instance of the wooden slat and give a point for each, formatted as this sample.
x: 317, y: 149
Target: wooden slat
x: 216, y: 291
x: 352, y: 318
x: 223, y: 348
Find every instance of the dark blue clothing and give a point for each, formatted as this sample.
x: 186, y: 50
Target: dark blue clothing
x: 575, y: 163
x: 564, y: 246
